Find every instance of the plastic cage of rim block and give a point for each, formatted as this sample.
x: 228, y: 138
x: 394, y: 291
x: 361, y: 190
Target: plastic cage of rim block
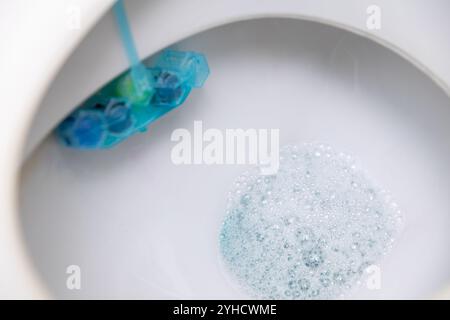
x: 123, y: 107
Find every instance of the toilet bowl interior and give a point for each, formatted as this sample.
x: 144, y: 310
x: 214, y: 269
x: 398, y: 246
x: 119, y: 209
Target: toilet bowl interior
x: 140, y: 226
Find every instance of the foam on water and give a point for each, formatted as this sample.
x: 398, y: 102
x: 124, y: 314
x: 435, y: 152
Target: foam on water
x: 309, y: 231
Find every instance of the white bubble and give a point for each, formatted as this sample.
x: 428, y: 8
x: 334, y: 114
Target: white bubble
x: 309, y: 231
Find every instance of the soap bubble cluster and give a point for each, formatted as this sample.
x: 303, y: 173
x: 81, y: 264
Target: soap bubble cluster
x: 309, y: 231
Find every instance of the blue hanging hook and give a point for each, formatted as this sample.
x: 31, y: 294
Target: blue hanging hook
x: 130, y: 102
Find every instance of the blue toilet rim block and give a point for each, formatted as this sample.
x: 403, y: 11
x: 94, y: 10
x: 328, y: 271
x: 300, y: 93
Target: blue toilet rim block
x: 129, y: 103
x: 119, y: 110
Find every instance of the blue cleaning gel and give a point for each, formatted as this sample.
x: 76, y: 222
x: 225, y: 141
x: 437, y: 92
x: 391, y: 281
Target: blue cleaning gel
x: 129, y: 103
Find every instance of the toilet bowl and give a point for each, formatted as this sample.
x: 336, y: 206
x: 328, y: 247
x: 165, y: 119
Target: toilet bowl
x: 313, y: 71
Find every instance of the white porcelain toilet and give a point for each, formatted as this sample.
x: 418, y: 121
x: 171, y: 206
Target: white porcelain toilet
x: 139, y: 226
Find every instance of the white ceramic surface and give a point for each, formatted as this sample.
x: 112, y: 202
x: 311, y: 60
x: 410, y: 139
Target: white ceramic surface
x: 35, y: 43
x: 141, y: 227
x: 417, y: 29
